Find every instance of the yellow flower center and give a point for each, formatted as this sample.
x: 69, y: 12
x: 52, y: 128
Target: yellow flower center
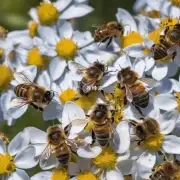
x: 33, y: 29
x: 7, y: 165
x: 166, y: 22
x: 68, y: 95
x: 66, y: 48
x: 118, y: 115
x: 61, y: 174
x: 153, y: 143
x: 86, y: 175
x: 106, y: 159
x: 5, y: 78
x: 4, y: 138
x: 178, y: 100
x: 47, y: 13
x: 154, y: 35
x: 86, y: 102
x: 3, y: 32
x: 175, y: 2
x: 35, y: 58
x: 130, y: 39
x: 152, y: 14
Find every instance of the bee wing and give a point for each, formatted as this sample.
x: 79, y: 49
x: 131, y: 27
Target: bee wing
x: 76, y: 67
x: 77, y: 122
x: 21, y: 78
x: 19, y: 102
x: 45, y: 156
x: 88, y: 86
x: 150, y: 82
x: 173, y: 48
x: 128, y: 94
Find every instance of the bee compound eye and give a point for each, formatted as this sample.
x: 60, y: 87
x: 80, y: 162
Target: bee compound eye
x: 99, y: 114
x: 93, y: 72
x: 54, y: 136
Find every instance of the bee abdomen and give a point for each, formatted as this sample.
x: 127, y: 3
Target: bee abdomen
x: 102, y: 138
x: 142, y: 100
x: 64, y: 158
x: 21, y: 90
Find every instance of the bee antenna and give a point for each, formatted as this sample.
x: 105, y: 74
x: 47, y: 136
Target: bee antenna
x: 54, y: 92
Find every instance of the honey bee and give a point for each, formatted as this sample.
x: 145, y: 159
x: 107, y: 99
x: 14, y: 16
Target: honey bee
x: 135, y: 89
x: 30, y: 93
x: 107, y: 31
x: 59, y: 145
x: 166, y: 171
x: 101, y: 119
x: 167, y: 43
x: 91, y: 76
x: 147, y: 128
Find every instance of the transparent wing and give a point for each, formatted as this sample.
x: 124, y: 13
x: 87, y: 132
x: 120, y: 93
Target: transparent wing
x: 89, y: 85
x: 173, y: 48
x: 19, y: 102
x: 76, y: 67
x: 150, y: 82
x: 45, y: 155
x: 77, y: 122
x: 128, y: 94
x: 21, y: 78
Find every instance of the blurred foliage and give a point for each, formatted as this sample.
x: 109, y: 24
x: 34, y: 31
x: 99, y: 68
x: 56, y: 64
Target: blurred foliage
x: 14, y: 16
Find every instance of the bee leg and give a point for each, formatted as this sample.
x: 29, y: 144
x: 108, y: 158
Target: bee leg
x: 109, y: 42
x: 34, y: 106
x: 93, y: 138
x: 139, y: 110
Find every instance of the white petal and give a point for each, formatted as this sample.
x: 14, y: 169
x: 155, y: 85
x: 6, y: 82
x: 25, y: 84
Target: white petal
x: 126, y: 166
x: 76, y: 10
x: 82, y: 38
x: 108, y: 80
x: 73, y: 169
x: 33, y: 14
x: 2, y: 147
x: 168, y: 121
x: 45, y: 175
x: 20, y: 141
x: 26, y: 159
x: 62, y: 4
x: 19, y: 174
x: 5, y: 100
x: 172, y: 69
x: 39, y: 148
x: 44, y: 80
x: 165, y: 101
x: 17, y: 112
x: 112, y: 174
x: 36, y: 135
x: 125, y: 17
x: 166, y: 86
x: 139, y: 4
x: 52, y: 111
x: 159, y: 71
x: 56, y: 68
x: 139, y: 66
x: 122, y: 138
x: 89, y: 152
x: 171, y: 144
x: 65, y: 29
x: 122, y: 62
x: 48, y: 34
x: 71, y: 112
x: 135, y: 50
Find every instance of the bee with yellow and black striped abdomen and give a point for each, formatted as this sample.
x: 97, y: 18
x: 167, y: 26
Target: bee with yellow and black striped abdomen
x: 166, y: 171
x: 108, y: 31
x: 101, y: 119
x: 136, y: 92
x: 59, y: 145
x: 30, y: 93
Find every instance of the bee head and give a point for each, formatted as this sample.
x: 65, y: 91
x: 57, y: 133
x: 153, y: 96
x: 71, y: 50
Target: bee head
x: 140, y: 132
x: 177, y: 27
x: 54, y: 133
x: 100, y: 66
x: 100, y: 111
x: 48, y: 96
x: 125, y: 74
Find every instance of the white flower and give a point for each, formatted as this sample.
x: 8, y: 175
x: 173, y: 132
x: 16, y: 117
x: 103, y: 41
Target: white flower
x: 48, y: 13
x: 16, y: 157
x: 65, y: 45
x: 147, y: 154
x: 38, y: 138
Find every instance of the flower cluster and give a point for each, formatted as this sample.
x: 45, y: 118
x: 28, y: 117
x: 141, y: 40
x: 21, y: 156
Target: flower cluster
x: 115, y: 94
